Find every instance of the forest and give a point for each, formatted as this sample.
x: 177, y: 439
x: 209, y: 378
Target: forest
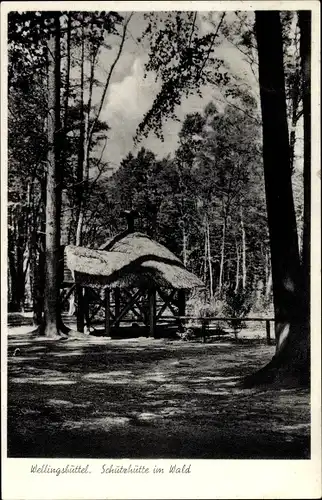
x: 189, y: 134
x: 232, y: 200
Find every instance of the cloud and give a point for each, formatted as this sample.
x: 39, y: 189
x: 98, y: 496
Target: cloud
x: 133, y: 95
x: 127, y: 102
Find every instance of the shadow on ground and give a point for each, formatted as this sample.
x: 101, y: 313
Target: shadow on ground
x: 146, y: 398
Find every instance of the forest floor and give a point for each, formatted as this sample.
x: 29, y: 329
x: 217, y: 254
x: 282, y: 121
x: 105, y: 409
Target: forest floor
x: 146, y: 398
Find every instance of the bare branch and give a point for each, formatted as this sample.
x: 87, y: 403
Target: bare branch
x: 118, y: 55
x: 193, y: 27
x: 211, y: 44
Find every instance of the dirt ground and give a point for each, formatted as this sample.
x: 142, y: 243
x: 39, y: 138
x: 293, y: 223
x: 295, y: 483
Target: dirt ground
x: 145, y: 398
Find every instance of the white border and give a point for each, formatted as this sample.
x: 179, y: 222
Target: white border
x: 266, y: 479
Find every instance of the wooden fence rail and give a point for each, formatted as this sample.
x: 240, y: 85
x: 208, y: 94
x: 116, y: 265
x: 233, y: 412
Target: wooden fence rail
x: 205, y: 323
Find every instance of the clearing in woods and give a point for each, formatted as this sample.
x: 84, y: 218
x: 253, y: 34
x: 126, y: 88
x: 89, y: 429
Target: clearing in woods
x: 145, y: 398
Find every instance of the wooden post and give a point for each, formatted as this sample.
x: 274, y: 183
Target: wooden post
x: 107, y: 312
x: 80, y: 308
x: 152, y: 312
x: 181, y: 306
x: 182, y: 302
x: 268, y: 332
x: 117, y: 304
x: 130, y: 216
x: 204, y: 330
x: 86, y: 308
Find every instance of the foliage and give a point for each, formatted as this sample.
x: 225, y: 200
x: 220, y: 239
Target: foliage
x: 28, y: 35
x: 237, y: 306
x: 214, y: 173
x: 183, y: 59
x: 213, y: 182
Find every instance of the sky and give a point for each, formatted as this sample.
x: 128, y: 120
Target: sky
x: 130, y: 95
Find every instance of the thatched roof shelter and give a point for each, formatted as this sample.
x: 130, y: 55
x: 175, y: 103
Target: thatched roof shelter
x: 127, y: 261
x: 144, y: 278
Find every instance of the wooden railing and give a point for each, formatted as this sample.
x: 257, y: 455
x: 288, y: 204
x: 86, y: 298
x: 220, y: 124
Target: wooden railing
x: 206, y: 321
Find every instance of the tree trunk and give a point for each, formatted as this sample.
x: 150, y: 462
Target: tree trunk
x: 295, y: 100
x: 290, y: 364
x: 269, y: 283
x: 81, y: 155
x: 184, y: 246
x: 80, y: 186
x: 33, y: 261
x: 53, y: 192
x: 20, y: 275
x: 222, y: 255
x: 67, y: 84
x: 12, y: 271
x: 84, y: 145
x: 237, y: 267
x: 211, y: 284
x: 205, y: 255
x: 243, y: 248
x: 259, y: 293
x: 305, y: 53
x: 39, y: 277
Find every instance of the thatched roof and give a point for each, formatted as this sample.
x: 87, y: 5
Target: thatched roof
x: 135, y: 259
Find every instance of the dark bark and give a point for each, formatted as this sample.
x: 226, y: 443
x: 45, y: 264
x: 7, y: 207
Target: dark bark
x: 290, y: 364
x: 81, y: 152
x: 237, y: 267
x: 13, y: 306
x: 34, y: 274
x: 16, y: 245
x: 295, y: 95
x: 20, y: 275
x: 222, y: 255
x: 67, y: 84
x: 39, y: 275
x: 80, y: 309
x: 305, y: 53
x: 53, y: 191
x: 211, y: 285
x: 244, y: 268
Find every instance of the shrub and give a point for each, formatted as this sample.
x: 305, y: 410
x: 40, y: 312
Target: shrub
x: 237, y: 306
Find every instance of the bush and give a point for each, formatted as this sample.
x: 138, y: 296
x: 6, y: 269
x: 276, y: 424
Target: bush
x: 237, y: 307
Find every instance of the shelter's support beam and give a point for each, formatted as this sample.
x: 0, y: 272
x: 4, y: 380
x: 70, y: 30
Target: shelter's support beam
x: 152, y: 312
x: 181, y: 305
x: 140, y: 312
x: 128, y: 306
x: 182, y: 302
x: 86, y: 307
x: 107, y: 311
x: 101, y: 302
x: 80, y: 308
x: 117, y: 304
x: 97, y: 308
x: 66, y: 294
x: 168, y: 300
x: 165, y: 304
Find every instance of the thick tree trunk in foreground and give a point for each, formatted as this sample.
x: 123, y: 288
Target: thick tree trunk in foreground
x: 305, y: 53
x: 290, y: 365
x: 53, y: 192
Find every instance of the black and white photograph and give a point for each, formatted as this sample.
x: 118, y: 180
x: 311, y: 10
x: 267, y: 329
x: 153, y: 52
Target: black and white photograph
x: 159, y: 210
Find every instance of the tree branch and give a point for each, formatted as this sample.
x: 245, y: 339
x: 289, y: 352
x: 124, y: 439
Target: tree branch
x: 91, y: 131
